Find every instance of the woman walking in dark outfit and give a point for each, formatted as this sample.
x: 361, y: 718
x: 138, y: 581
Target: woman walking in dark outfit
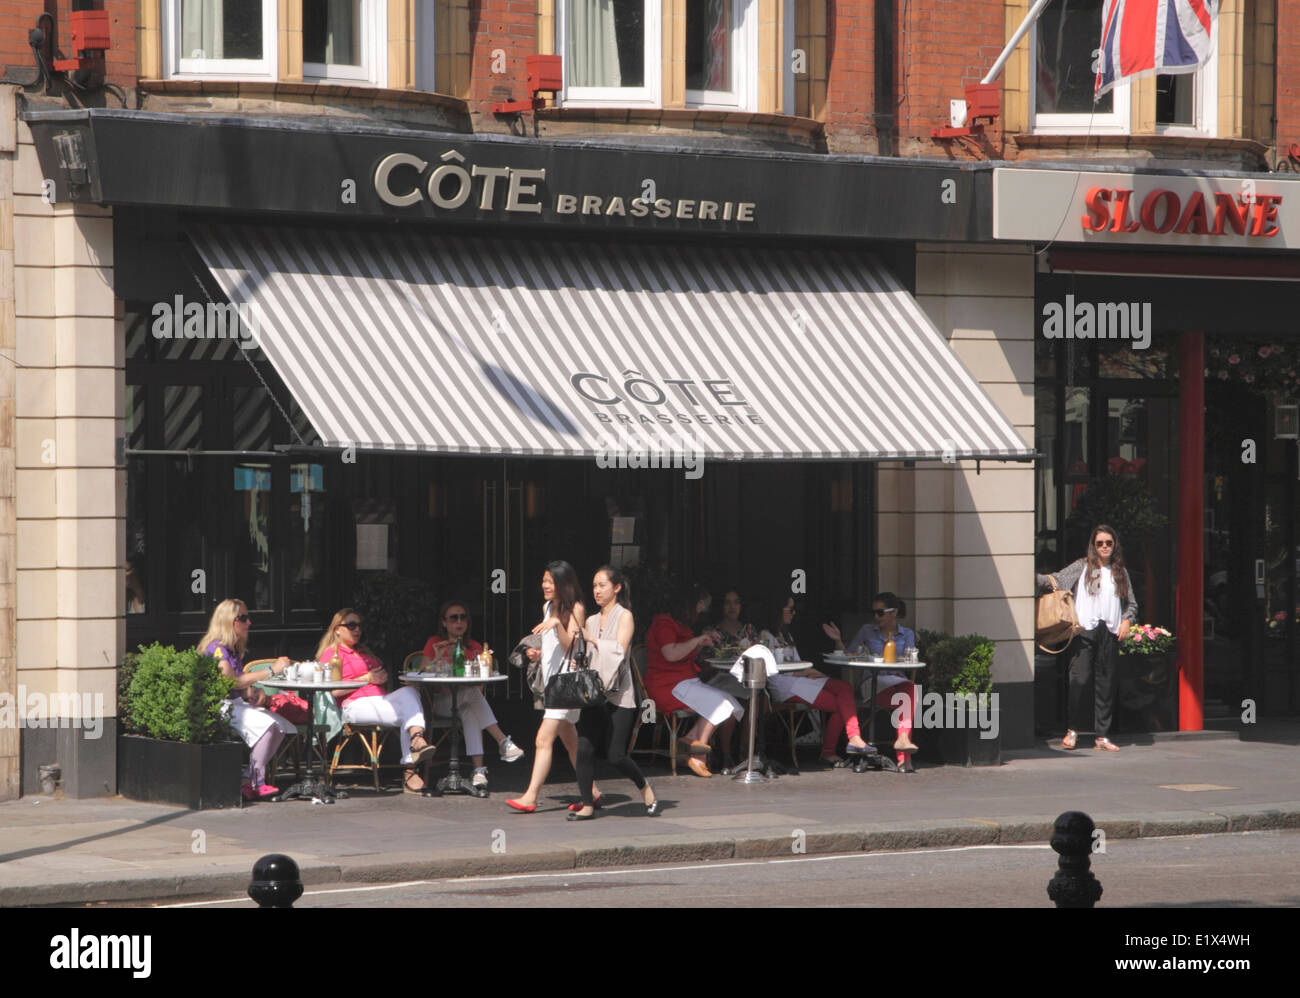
x: 608, y: 635
x: 1104, y: 601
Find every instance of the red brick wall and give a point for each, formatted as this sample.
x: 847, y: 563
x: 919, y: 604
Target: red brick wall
x: 942, y: 46
x: 1288, y: 76
x: 511, y: 26
x: 17, y: 17
x: 851, y: 76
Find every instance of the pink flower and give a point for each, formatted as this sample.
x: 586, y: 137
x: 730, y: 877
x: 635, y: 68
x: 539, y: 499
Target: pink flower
x: 1234, y: 359
x: 1137, y: 637
x: 1223, y: 375
x: 1265, y: 351
x: 1249, y: 378
x: 1280, y: 616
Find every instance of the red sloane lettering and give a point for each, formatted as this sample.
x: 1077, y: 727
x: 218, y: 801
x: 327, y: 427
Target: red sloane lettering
x: 1162, y: 211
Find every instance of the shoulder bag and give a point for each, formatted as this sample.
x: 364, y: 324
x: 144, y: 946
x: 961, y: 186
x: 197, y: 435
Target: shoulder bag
x: 1056, y: 620
x: 576, y: 685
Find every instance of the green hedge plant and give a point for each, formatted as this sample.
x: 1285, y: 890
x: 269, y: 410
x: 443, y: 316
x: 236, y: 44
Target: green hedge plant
x: 961, y: 664
x: 177, y: 696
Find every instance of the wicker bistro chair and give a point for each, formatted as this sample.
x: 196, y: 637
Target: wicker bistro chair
x: 793, y: 717
x: 675, y: 723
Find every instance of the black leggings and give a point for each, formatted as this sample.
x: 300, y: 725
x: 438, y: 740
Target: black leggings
x: 620, y: 731
x: 1094, y: 661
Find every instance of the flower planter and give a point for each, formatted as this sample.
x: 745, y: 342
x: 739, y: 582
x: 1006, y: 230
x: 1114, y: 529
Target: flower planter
x: 1148, y: 692
x: 193, y: 776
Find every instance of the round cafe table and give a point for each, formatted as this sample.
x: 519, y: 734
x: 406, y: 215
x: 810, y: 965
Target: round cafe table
x: 453, y: 782
x: 879, y: 760
x: 312, y: 785
x: 762, y: 763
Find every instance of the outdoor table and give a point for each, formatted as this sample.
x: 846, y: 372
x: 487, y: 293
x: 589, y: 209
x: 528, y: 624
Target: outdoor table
x: 879, y: 760
x: 453, y: 782
x: 308, y: 787
x: 761, y: 762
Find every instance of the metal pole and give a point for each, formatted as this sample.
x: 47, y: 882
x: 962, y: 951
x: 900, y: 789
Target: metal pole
x: 1021, y: 31
x: 755, y: 679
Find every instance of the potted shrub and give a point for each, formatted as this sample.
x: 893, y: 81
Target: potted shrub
x: 1148, y: 680
x: 962, y: 667
x: 176, y: 746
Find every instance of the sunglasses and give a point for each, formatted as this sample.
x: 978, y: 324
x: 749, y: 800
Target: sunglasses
x: 881, y: 613
x: 243, y: 618
x: 1104, y: 544
x: 351, y: 625
x: 456, y: 616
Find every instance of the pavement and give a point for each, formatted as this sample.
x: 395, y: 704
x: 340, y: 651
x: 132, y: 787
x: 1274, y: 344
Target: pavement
x: 57, y: 851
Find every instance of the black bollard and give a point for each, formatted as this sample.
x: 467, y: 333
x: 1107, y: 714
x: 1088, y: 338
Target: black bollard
x: 1074, y: 885
x: 276, y: 882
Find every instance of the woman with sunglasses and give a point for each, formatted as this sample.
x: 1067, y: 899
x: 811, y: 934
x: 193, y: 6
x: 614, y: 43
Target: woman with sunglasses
x: 226, y: 640
x: 475, y: 714
x: 1106, y: 606
x: 888, y: 610
x: 814, y: 688
x: 562, y: 619
x: 370, y: 704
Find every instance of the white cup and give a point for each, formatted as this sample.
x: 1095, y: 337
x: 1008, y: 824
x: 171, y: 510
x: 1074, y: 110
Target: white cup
x: 291, y: 673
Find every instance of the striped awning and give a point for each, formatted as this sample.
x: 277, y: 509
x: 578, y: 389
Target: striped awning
x: 415, y: 340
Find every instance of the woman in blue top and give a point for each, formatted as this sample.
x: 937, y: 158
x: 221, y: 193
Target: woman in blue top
x: 871, y: 637
x: 262, y: 731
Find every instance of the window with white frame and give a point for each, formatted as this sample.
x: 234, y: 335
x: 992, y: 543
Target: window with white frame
x: 1187, y: 103
x: 1064, y: 47
x: 721, y: 53
x: 220, y: 38
x: 343, y: 40
x: 611, y: 51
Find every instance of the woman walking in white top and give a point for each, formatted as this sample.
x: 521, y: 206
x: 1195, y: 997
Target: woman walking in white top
x: 1104, y: 601
x: 609, y: 633
x: 562, y: 619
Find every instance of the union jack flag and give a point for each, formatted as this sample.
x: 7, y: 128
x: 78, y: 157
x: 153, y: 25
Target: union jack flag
x: 1141, y: 37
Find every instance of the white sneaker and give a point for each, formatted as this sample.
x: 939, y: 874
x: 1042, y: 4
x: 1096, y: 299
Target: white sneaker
x: 480, y: 777
x: 510, y: 752
x: 813, y: 737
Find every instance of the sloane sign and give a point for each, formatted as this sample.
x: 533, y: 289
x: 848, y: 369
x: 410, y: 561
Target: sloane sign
x: 404, y: 179
x: 1145, y: 209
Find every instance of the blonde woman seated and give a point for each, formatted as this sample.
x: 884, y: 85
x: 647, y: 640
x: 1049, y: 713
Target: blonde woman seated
x: 370, y: 704
x: 262, y: 731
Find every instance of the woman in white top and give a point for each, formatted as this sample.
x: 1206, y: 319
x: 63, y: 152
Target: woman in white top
x: 1104, y: 601
x: 812, y: 687
x: 609, y: 633
x: 562, y: 619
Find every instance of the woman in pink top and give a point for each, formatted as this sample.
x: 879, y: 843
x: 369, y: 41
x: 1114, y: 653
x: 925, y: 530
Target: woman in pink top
x: 371, y: 705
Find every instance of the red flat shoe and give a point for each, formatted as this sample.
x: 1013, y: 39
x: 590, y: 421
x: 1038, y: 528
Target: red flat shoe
x: 598, y: 802
x: 525, y: 808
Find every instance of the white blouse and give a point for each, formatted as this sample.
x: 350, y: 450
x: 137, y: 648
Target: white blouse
x: 1100, y: 608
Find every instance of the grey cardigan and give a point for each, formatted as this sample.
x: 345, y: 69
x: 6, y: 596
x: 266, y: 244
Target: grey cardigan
x: 1068, y: 578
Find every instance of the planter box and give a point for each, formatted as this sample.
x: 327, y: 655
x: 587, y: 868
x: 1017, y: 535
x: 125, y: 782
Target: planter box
x: 965, y: 747
x: 1147, y: 692
x: 193, y: 776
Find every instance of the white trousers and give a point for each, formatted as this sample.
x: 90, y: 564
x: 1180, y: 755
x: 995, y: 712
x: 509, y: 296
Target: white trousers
x: 399, y: 709
x: 475, y: 715
x: 251, y: 723
x: 709, y: 702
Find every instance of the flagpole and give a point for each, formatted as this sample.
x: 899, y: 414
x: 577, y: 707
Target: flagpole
x: 1021, y: 31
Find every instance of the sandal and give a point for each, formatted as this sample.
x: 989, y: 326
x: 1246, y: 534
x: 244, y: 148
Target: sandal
x: 1106, y: 745
x: 413, y: 783
x: 1070, y: 740
x: 420, y: 749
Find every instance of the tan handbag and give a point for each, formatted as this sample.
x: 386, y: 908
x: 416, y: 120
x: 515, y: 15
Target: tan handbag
x: 1056, y: 621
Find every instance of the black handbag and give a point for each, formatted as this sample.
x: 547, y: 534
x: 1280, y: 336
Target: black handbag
x: 578, y: 687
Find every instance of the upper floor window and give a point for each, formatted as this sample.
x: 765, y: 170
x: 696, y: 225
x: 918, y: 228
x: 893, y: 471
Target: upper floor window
x: 1064, y: 47
x: 221, y: 37
x: 1187, y: 103
x: 613, y: 51
x: 237, y: 39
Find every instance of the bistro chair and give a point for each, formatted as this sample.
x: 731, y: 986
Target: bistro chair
x: 432, y: 724
x: 794, y: 717
x: 676, y: 723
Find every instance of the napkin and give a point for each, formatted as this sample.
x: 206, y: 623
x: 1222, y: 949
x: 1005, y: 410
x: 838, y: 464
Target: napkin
x: 754, y: 651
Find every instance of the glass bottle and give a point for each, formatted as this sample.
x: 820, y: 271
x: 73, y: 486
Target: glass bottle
x: 458, y: 660
x: 487, y: 659
x: 336, y: 666
x: 891, y: 651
